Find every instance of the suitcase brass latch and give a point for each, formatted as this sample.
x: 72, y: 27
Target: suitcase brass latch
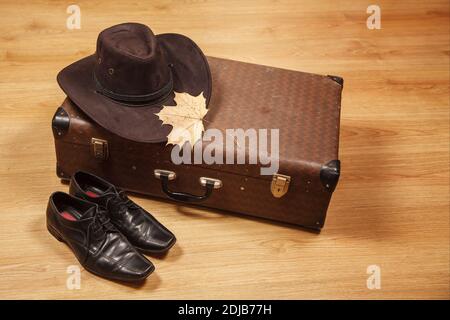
x: 99, y: 148
x: 280, y: 185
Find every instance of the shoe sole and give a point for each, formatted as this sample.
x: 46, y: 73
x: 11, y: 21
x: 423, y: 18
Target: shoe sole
x: 58, y: 237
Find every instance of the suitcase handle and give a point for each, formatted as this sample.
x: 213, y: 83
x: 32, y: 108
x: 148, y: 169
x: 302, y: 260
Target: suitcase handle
x: 208, y: 183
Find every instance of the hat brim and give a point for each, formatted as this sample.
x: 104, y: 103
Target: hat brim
x: 190, y: 72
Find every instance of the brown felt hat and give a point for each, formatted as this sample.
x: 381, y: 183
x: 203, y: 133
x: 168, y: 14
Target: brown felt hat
x: 131, y: 75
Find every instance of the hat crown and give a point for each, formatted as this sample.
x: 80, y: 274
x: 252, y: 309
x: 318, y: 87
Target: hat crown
x: 130, y: 63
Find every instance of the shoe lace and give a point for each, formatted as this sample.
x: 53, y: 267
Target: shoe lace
x: 100, y: 223
x: 119, y: 201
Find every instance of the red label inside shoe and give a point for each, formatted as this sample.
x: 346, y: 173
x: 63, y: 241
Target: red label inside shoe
x: 68, y: 216
x: 92, y: 194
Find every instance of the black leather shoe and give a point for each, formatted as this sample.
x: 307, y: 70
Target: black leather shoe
x: 97, y: 244
x: 142, y: 230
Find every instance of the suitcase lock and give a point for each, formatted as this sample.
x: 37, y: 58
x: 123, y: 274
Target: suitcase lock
x: 99, y: 148
x: 280, y: 185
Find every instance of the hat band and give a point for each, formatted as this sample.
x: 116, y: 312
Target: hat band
x: 153, y: 96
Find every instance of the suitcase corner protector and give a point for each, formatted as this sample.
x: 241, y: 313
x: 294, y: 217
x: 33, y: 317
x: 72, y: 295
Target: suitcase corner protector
x: 330, y: 173
x: 337, y: 79
x: 61, y: 174
x: 60, y: 122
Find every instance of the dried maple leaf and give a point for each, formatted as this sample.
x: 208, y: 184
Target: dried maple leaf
x: 185, y: 118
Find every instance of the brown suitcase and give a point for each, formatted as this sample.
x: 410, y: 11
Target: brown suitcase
x: 304, y: 107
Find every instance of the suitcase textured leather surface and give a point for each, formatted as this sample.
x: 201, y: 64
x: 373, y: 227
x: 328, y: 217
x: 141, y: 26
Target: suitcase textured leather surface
x: 304, y: 107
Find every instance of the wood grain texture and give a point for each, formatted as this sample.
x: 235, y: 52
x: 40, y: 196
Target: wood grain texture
x: 391, y: 207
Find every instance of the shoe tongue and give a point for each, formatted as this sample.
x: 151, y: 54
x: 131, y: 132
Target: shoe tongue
x: 89, y: 213
x: 111, y: 190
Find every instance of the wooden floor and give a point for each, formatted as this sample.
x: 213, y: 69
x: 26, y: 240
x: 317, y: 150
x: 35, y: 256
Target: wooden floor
x: 391, y: 207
